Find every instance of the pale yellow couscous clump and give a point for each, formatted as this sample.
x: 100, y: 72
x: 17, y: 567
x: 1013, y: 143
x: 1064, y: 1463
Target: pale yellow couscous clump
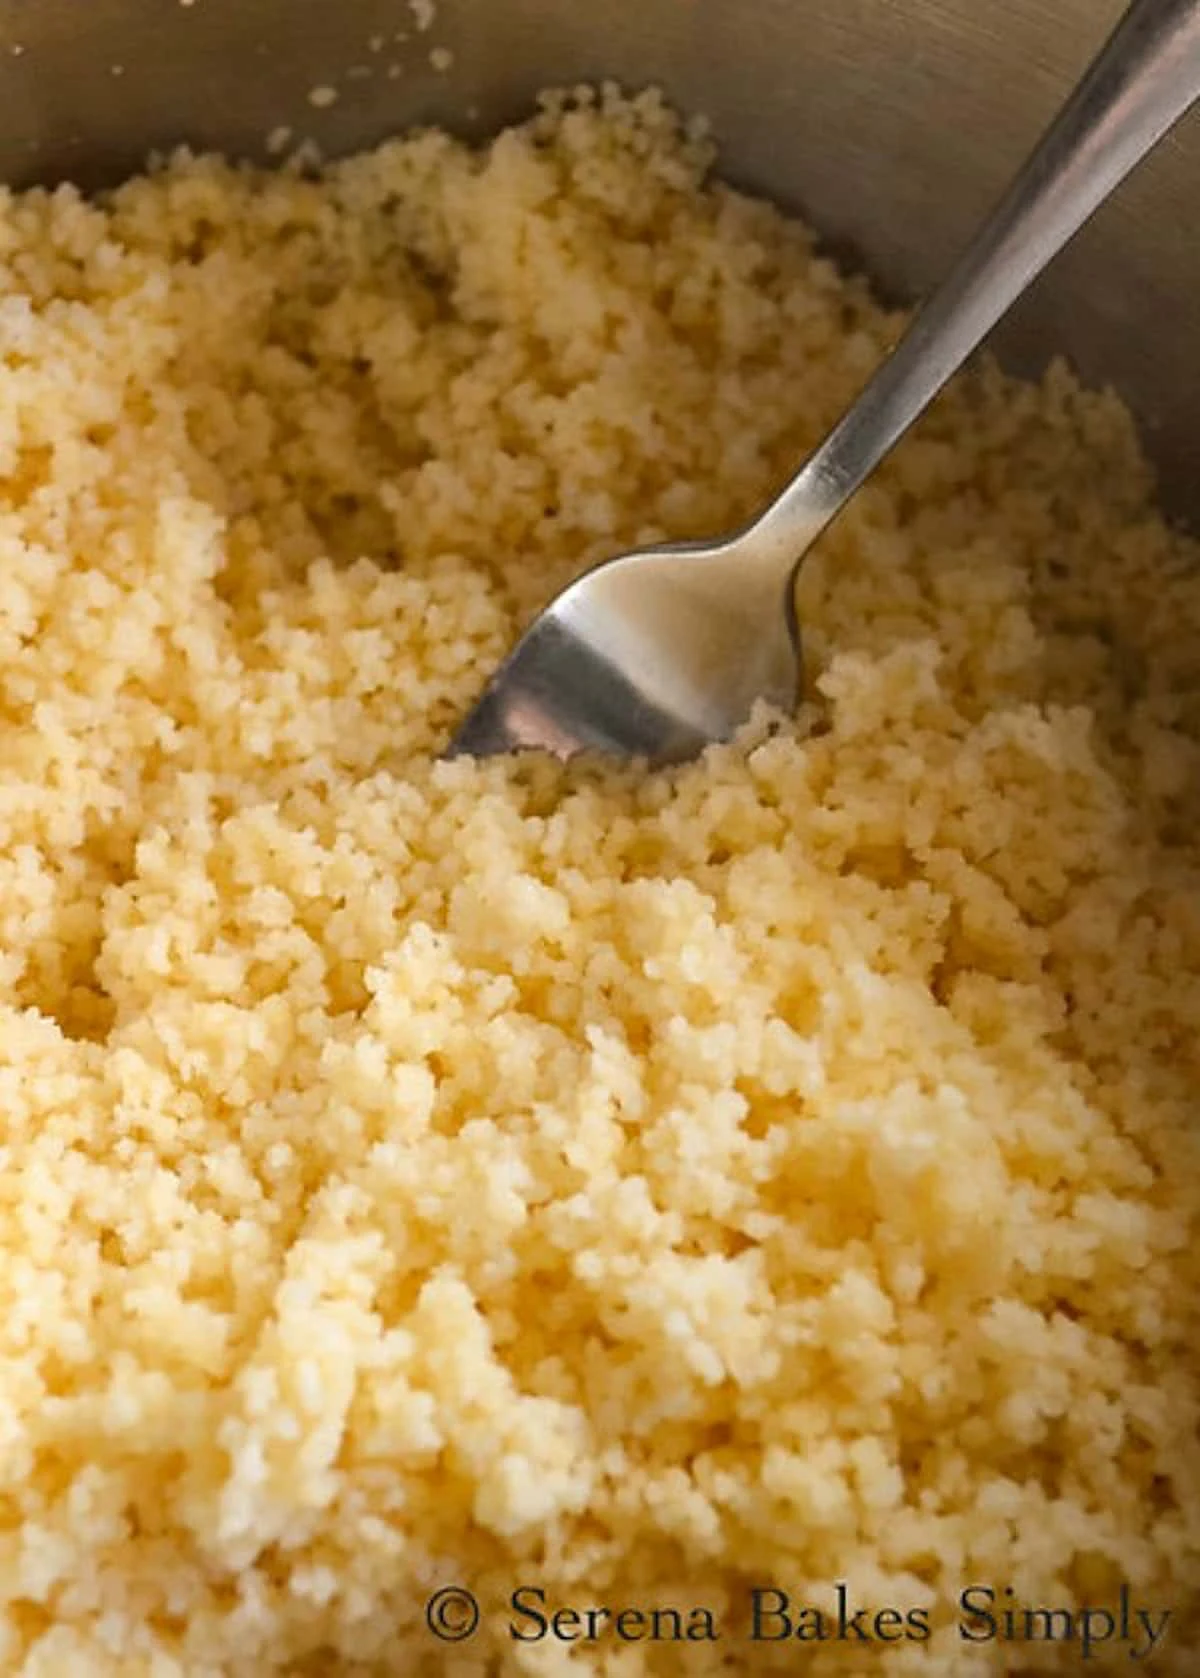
x: 641, y: 1189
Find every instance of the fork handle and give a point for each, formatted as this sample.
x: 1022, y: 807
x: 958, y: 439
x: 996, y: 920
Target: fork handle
x: 1142, y: 81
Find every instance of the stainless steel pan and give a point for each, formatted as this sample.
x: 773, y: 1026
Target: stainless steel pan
x: 889, y: 123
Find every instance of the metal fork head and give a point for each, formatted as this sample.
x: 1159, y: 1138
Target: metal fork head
x: 652, y: 655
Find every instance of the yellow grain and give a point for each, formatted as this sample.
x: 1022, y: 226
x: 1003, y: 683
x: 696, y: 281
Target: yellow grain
x: 779, y: 1170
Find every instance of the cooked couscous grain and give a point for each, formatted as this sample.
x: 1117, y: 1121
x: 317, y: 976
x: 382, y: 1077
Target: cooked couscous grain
x: 779, y: 1172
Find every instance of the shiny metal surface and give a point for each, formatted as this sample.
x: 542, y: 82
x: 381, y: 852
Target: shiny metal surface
x: 1143, y: 80
x: 655, y: 655
x: 892, y: 124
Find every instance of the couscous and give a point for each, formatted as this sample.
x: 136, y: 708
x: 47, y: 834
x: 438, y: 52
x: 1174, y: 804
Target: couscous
x: 778, y: 1174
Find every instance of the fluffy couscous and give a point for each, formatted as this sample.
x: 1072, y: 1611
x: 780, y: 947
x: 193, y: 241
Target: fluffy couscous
x: 775, y: 1174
